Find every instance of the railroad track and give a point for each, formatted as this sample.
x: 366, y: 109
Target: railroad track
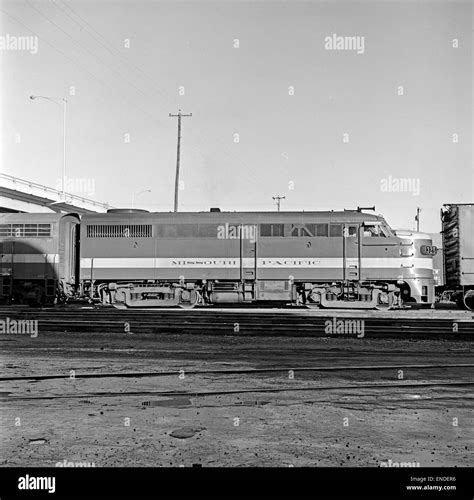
x: 301, y: 384
x: 299, y: 323
x: 241, y: 371
x: 227, y: 392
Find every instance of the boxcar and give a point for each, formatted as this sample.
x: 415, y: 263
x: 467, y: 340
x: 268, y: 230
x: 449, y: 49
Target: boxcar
x: 458, y: 245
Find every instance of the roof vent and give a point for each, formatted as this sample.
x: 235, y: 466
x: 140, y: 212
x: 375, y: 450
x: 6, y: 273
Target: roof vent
x: 215, y: 209
x: 127, y: 211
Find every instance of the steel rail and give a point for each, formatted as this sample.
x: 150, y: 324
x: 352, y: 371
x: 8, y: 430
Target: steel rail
x: 235, y: 371
x: 192, y: 394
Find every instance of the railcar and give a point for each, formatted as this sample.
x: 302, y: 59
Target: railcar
x: 38, y: 257
x: 457, y: 222
x: 349, y: 259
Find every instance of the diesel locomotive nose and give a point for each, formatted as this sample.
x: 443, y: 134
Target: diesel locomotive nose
x: 417, y: 251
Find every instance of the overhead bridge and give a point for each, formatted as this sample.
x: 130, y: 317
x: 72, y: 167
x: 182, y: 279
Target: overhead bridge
x: 26, y: 196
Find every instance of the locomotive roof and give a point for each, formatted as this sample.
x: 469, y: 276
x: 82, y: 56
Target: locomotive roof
x: 26, y: 217
x: 268, y: 217
x: 342, y: 216
x: 243, y: 217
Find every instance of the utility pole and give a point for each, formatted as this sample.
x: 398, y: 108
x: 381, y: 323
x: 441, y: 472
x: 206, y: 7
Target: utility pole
x: 278, y: 200
x: 417, y: 218
x: 176, y: 181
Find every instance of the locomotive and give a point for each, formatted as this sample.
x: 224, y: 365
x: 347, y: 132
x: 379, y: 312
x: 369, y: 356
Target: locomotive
x: 134, y: 258
x: 38, y: 259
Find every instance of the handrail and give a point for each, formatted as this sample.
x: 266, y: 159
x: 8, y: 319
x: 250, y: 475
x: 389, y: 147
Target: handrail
x: 48, y: 189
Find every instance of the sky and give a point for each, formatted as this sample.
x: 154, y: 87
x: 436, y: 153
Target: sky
x: 277, y: 108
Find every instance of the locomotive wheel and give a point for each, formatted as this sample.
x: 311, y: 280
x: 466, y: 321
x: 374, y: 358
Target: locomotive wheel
x: 186, y: 305
x: 190, y: 299
x: 469, y: 300
x: 387, y: 303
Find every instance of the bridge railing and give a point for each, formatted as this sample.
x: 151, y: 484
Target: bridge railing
x: 34, y: 188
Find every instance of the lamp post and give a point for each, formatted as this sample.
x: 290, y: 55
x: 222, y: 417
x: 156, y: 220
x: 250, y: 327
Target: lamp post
x: 60, y: 101
x: 138, y: 194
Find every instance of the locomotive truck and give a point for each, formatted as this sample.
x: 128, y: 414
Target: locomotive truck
x: 133, y: 258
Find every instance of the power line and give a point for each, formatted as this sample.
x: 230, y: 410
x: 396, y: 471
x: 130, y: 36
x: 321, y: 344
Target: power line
x: 54, y: 47
x: 108, y: 46
x: 200, y: 136
x: 101, y: 61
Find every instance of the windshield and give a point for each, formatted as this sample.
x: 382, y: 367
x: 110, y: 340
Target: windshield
x: 386, y: 229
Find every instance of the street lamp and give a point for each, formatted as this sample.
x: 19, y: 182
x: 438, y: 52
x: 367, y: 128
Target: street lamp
x: 60, y: 101
x: 138, y: 194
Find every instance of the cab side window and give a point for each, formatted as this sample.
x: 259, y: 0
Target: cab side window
x: 335, y: 230
x: 351, y: 231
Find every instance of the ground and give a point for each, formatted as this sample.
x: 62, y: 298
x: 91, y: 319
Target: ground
x: 242, y: 418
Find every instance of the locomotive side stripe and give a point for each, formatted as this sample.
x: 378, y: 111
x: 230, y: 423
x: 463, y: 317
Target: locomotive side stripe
x: 30, y: 258
x: 262, y: 262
